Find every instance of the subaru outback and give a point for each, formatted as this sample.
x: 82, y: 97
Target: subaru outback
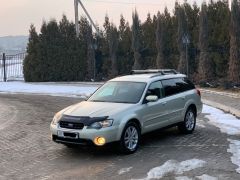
x: 125, y: 108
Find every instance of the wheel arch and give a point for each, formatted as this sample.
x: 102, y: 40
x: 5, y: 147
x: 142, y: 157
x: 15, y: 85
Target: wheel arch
x: 194, y: 108
x: 135, y: 120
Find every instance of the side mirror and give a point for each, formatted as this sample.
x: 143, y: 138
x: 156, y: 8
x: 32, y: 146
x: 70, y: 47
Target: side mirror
x: 151, y: 98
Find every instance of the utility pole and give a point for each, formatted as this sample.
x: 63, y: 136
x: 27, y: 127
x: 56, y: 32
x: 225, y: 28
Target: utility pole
x: 76, y: 17
x: 92, y: 24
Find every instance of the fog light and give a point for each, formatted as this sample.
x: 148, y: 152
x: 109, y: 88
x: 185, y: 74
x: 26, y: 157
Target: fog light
x: 99, y: 141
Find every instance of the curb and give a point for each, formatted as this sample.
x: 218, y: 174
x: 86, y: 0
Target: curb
x: 231, y: 110
x: 228, y: 94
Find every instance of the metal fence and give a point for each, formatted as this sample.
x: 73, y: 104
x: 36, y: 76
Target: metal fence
x: 11, y: 67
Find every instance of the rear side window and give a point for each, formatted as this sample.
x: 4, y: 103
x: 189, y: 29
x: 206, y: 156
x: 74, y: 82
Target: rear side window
x: 190, y: 84
x: 184, y: 84
x: 175, y: 86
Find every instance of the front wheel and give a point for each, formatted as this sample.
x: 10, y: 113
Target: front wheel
x: 130, y: 138
x: 189, y: 123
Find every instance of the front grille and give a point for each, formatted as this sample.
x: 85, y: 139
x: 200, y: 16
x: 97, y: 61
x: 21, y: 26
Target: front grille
x: 71, y: 125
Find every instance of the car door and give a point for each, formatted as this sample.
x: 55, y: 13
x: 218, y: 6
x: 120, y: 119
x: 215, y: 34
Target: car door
x: 174, y: 100
x: 154, y: 113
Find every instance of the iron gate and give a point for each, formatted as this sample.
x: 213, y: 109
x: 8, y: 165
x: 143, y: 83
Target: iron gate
x: 11, y: 67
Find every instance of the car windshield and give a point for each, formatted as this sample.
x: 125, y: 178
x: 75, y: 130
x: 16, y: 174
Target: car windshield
x: 119, y: 92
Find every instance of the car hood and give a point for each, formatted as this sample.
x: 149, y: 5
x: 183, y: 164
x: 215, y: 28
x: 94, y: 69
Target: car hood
x: 96, y: 109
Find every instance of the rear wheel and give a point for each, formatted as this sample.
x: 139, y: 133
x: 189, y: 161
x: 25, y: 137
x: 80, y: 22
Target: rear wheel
x: 130, y: 138
x: 189, y: 123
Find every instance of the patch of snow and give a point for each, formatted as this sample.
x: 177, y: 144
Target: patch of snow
x: 234, y: 148
x: 173, y: 166
x: 226, y: 122
x: 46, y: 89
x: 183, y: 178
x: 206, y: 177
x: 200, y: 123
x: 124, y: 170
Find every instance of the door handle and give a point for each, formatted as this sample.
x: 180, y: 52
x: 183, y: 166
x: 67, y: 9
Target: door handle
x: 164, y: 103
x: 183, y: 98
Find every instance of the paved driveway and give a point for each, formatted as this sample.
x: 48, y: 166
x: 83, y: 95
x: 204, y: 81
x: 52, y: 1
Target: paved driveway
x: 26, y: 151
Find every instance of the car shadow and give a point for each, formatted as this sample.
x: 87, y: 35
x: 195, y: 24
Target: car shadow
x: 155, y: 138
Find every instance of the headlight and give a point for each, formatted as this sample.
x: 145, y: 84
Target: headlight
x: 101, y: 124
x: 56, y: 118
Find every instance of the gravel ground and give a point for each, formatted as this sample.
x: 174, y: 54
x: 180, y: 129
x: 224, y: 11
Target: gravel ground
x: 26, y: 151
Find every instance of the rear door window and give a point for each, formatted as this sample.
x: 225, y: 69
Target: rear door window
x: 170, y: 87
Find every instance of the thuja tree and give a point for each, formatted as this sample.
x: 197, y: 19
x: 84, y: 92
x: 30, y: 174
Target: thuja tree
x: 182, y: 32
x: 160, y: 33
x: 205, y: 72
x: 234, y: 63
x: 136, y: 42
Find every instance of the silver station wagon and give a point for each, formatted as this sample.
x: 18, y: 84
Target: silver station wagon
x: 126, y: 107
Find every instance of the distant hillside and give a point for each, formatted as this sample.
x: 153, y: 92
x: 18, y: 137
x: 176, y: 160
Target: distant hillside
x: 13, y: 44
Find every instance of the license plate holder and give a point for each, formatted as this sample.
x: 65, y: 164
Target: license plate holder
x: 69, y: 135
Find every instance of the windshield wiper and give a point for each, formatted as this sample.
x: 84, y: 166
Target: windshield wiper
x: 97, y: 101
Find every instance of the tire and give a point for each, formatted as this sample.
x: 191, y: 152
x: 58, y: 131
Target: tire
x: 189, y: 123
x: 129, y: 145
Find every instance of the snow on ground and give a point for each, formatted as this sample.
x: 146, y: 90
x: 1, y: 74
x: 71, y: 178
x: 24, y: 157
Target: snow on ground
x: 202, y: 177
x: 228, y: 124
x: 173, y: 166
x: 206, y: 177
x: 234, y: 148
x: 183, y: 178
x: 46, y: 89
x: 124, y: 170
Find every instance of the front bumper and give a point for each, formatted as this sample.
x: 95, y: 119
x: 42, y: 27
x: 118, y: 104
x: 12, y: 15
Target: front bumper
x: 85, y: 136
x: 61, y: 140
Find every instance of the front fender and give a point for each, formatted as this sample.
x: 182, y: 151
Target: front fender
x: 124, y: 121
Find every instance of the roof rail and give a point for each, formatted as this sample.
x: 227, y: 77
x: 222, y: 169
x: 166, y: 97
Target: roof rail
x: 155, y: 71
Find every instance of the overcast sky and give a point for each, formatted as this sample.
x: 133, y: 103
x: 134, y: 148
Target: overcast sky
x: 17, y: 15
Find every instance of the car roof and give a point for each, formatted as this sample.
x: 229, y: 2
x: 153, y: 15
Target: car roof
x: 149, y: 77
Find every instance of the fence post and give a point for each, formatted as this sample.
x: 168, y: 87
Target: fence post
x: 4, y: 68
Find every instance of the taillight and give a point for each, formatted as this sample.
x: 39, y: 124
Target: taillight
x: 198, y: 92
